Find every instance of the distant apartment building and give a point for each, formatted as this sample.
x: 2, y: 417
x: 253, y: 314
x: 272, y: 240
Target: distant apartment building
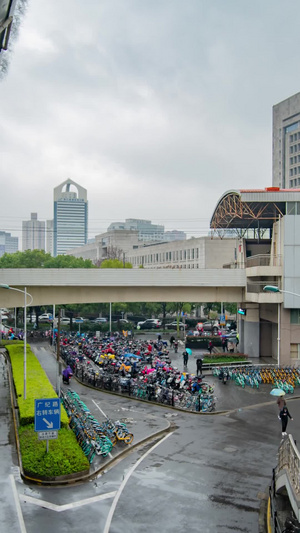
x: 49, y: 236
x: 286, y: 143
x: 8, y: 244
x: 202, y: 252
x: 147, y: 231
x: 70, y: 225
x: 33, y: 233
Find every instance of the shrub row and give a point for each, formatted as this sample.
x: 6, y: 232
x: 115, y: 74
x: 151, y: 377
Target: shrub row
x: 65, y: 455
x: 37, y: 383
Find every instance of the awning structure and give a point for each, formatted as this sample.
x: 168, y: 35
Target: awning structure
x: 244, y: 209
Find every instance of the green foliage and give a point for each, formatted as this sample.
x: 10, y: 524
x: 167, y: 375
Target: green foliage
x: 37, y: 383
x: 114, y: 263
x: 41, y: 259
x: 65, y: 455
x: 224, y: 359
x: 7, y: 342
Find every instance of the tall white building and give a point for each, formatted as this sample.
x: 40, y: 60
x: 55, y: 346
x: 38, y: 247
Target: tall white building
x: 70, y: 225
x: 33, y: 234
x: 286, y: 143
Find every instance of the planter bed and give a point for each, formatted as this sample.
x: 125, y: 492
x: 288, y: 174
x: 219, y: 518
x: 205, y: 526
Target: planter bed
x: 65, y: 457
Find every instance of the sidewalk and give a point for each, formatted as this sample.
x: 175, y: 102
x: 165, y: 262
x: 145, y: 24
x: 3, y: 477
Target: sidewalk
x: 8, y: 457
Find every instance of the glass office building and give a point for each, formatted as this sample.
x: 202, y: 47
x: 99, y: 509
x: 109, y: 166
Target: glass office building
x: 70, y: 223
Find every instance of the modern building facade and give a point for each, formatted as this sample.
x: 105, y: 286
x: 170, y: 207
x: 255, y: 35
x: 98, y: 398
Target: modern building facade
x: 202, y: 252
x: 286, y: 143
x: 8, y: 244
x: 33, y: 234
x: 70, y: 223
x: 113, y: 244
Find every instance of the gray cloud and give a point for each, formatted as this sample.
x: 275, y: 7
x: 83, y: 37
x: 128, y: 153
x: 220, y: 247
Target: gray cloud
x: 155, y: 107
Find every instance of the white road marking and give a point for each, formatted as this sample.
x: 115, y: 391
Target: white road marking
x: 17, y: 503
x: 126, y: 478
x: 67, y: 506
x: 110, y: 455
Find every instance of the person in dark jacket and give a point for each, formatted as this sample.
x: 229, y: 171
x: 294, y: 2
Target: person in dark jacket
x: 199, y: 366
x: 284, y: 414
x: 185, y: 358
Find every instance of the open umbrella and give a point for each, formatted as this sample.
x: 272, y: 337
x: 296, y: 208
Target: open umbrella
x: 132, y: 355
x: 189, y: 351
x: 277, y: 392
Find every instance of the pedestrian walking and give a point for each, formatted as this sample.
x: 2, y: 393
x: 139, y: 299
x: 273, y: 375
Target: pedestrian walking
x: 185, y: 358
x: 210, y: 346
x: 224, y: 344
x: 199, y: 366
x: 284, y: 415
x: 281, y: 404
x: 172, y: 340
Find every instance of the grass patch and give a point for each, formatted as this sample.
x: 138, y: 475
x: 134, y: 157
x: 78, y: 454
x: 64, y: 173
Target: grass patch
x: 64, y: 457
x: 225, y: 359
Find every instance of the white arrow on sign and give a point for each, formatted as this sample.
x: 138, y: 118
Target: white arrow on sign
x: 49, y: 424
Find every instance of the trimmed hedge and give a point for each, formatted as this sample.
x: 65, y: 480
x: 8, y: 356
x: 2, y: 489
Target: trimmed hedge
x: 225, y: 359
x: 202, y: 342
x: 37, y: 383
x: 64, y: 457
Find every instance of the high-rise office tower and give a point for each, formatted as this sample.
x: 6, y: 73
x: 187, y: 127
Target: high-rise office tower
x: 33, y: 234
x: 70, y: 225
x: 286, y: 143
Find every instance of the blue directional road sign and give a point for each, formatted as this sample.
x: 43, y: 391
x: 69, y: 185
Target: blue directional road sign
x: 222, y: 320
x: 47, y: 414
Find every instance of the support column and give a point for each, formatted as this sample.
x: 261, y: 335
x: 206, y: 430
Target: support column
x: 251, y: 330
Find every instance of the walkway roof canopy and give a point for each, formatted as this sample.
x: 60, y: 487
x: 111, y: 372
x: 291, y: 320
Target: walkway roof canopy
x: 246, y: 208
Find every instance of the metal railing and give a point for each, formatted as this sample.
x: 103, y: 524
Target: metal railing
x: 263, y: 260
x: 289, y: 459
x: 257, y: 286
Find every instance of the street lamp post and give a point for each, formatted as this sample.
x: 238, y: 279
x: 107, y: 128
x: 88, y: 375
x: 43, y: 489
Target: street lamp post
x: 273, y: 288
x: 5, y: 286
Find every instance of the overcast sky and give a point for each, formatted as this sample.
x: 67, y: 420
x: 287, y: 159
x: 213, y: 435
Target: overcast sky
x: 156, y: 107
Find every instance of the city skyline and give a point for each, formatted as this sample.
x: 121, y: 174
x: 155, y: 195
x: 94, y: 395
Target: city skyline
x: 156, y: 124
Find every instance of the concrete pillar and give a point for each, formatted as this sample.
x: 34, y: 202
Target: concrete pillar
x: 251, y: 330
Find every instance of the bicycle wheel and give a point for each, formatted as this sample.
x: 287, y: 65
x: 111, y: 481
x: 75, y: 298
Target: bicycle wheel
x: 128, y: 438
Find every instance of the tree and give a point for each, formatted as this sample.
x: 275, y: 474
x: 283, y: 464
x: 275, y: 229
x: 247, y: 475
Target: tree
x: 41, y: 259
x: 114, y: 263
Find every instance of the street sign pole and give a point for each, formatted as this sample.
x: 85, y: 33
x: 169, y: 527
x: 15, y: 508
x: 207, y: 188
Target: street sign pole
x: 47, y: 419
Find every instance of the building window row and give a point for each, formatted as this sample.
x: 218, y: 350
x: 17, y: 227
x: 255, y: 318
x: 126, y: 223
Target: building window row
x: 167, y: 257
x: 294, y: 137
x: 294, y: 171
x: 295, y: 159
x: 295, y: 148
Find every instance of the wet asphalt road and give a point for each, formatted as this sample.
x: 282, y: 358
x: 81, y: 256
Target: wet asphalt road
x: 207, y: 475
